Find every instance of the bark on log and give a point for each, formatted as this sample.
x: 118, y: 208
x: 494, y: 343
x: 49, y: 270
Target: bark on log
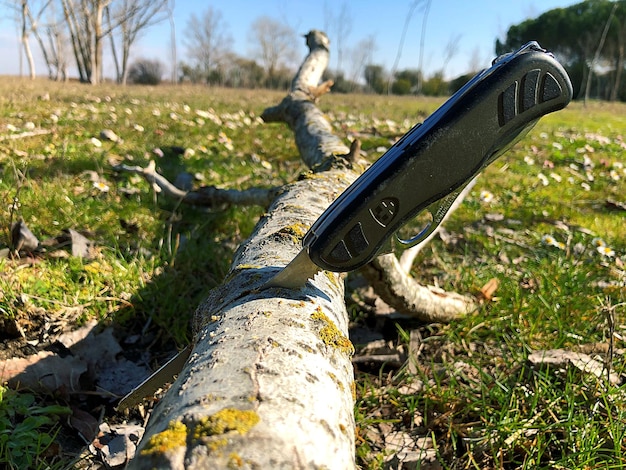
x: 269, y: 382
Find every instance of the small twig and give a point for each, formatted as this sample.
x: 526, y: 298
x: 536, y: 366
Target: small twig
x: 16, y: 199
x: 321, y: 89
x: 355, y: 151
x: 207, y: 196
x: 22, y: 135
x: 154, y: 178
x: 609, y: 311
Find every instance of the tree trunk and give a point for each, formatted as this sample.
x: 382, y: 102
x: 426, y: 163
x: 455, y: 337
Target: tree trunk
x: 77, y: 41
x: 597, y: 54
x: 619, y: 63
x: 116, y: 62
x: 27, y: 51
x: 98, y: 38
x: 126, y: 43
x: 34, y: 27
x: 170, y: 15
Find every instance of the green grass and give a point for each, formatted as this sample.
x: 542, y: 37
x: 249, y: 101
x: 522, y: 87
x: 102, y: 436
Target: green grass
x: 481, y: 402
x: 27, y: 431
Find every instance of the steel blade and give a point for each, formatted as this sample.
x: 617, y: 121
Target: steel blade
x: 157, y: 380
x: 296, y: 273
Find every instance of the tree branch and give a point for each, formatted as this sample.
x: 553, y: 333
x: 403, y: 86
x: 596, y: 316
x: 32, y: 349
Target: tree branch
x: 405, y: 294
x: 313, y: 133
x: 209, y: 196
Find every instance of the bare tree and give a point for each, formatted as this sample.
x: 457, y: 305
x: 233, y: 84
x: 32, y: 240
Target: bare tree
x: 359, y: 56
x: 129, y: 18
x: 274, y: 45
x: 54, y: 43
x: 49, y: 33
x: 475, y: 60
x: 596, y: 56
x: 84, y: 20
x: 405, y: 28
x: 451, y: 49
x: 621, y: 53
x: 27, y: 15
x: 58, y: 51
x: 208, y: 41
x: 170, y: 17
x: 25, y: 12
x: 339, y: 27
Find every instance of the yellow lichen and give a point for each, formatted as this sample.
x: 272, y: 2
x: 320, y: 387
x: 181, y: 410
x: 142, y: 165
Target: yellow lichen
x: 240, y: 267
x: 337, y: 381
x: 331, y: 335
x: 216, y: 444
x: 296, y: 231
x: 226, y: 420
x: 310, y: 175
x: 235, y: 461
x: 353, y: 389
x: 332, y: 277
x: 174, y: 436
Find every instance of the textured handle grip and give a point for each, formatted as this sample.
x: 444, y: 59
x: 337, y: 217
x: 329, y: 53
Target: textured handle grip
x: 468, y: 132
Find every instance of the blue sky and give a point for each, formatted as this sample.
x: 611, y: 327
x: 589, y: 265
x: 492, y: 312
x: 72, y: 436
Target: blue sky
x: 475, y: 24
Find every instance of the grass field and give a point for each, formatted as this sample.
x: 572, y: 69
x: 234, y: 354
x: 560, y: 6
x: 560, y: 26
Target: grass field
x: 547, y: 221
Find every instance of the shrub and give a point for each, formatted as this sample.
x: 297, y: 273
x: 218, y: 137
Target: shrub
x: 146, y: 72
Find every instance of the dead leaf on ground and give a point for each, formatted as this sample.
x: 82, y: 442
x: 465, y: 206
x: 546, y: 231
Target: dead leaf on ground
x: 116, y: 445
x: 22, y: 239
x: 408, y: 451
x: 85, y: 423
x: 108, y: 134
x: 583, y: 362
x: 43, y: 372
x: 91, y: 355
x: 80, y: 246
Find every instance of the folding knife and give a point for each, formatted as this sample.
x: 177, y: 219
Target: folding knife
x: 429, y: 166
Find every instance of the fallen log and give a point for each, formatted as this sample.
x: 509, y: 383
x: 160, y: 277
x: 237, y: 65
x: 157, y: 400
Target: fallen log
x: 269, y: 380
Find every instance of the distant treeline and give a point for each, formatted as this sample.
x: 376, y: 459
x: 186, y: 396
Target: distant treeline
x: 589, y: 39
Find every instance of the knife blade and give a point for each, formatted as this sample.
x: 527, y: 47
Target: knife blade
x: 166, y: 373
x: 429, y: 166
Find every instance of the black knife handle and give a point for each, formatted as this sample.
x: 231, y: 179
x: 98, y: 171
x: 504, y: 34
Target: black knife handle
x: 440, y: 156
